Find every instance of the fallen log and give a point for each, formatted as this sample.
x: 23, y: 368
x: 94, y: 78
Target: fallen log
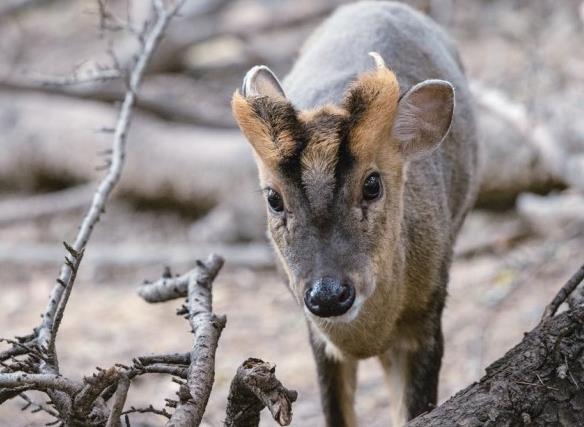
x: 186, y: 166
x: 540, y: 382
x: 249, y: 255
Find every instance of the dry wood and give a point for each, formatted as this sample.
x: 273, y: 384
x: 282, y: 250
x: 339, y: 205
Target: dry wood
x: 253, y: 388
x: 530, y: 385
x: 171, y: 96
x: 207, y: 328
x: 539, y: 382
x: 545, y: 151
x: 39, y: 382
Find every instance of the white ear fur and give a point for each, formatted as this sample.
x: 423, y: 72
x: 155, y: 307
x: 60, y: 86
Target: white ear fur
x: 261, y: 81
x: 423, y: 118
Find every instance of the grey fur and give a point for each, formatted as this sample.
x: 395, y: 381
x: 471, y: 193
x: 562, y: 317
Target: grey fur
x: 424, y: 117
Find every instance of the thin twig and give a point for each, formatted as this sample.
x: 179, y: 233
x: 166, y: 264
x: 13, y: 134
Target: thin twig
x: 148, y: 410
x: 171, y: 358
x: 37, y: 406
x: 563, y: 294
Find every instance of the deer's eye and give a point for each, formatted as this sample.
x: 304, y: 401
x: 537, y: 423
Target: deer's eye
x: 372, y: 187
x: 275, y: 200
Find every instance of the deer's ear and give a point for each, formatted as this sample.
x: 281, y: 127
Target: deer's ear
x: 423, y: 118
x: 261, y: 81
x: 266, y: 117
x: 371, y: 102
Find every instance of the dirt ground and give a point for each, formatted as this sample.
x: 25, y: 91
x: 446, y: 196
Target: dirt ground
x: 501, y: 279
x: 496, y: 294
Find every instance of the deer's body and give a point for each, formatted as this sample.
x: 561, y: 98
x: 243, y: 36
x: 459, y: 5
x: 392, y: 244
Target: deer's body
x: 337, y: 127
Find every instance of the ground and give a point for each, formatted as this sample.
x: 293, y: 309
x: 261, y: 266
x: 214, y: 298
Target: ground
x: 501, y: 279
x: 497, y: 292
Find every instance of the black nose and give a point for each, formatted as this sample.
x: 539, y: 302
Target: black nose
x: 327, y: 296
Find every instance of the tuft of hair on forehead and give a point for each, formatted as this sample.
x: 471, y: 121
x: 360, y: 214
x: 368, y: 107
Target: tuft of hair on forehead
x: 371, y: 103
x: 317, y: 146
x: 325, y: 128
x: 270, y: 125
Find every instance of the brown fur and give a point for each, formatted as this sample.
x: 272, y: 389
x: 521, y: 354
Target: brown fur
x: 372, y: 102
x: 268, y: 125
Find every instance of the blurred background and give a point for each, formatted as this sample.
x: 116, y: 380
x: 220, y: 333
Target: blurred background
x: 190, y: 187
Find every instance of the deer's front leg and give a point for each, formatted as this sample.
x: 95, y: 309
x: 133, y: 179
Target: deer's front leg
x: 412, y: 376
x: 337, y: 382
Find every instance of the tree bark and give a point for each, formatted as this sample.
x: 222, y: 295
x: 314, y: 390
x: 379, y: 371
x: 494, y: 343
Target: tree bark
x: 540, y: 382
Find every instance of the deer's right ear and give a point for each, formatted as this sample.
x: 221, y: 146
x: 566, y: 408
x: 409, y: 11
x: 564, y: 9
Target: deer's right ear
x: 265, y: 116
x: 261, y: 81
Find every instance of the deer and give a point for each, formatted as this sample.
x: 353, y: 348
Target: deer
x: 368, y: 171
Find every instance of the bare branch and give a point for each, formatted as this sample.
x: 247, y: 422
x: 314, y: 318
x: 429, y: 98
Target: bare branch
x: 75, y: 401
x: 563, y: 294
x: 92, y: 389
x: 46, y: 337
x: 39, y: 382
x: 253, y: 388
x: 207, y: 328
x: 180, y: 371
x: 165, y: 289
x: 171, y: 358
x: 119, y: 401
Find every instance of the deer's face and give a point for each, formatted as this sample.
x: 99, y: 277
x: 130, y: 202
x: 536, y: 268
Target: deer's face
x: 333, y: 180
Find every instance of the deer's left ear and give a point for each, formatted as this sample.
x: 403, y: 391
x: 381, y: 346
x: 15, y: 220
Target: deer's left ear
x: 423, y: 118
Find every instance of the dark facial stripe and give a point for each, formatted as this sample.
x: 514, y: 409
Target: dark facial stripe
x: 345, y: 160
x: 336, y: 127
x: 282, y: 119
